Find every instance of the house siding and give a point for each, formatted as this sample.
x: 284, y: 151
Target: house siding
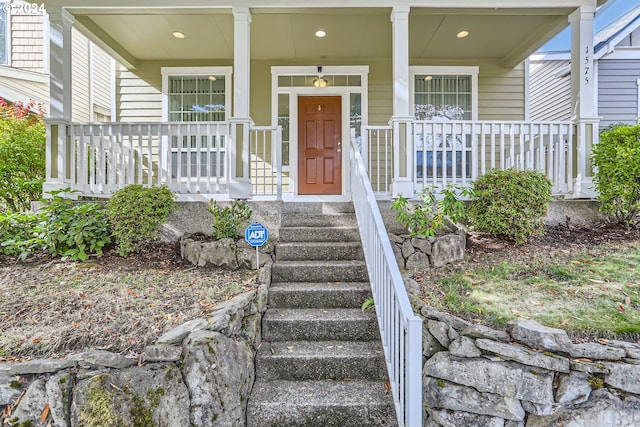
x: 618, y: 91
x: 550, y: 93
x: 27, y: 41
x: 501, y: 92
x: 136, y: 99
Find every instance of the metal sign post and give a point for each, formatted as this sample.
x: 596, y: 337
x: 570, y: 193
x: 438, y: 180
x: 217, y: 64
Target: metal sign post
x: 256, y: 235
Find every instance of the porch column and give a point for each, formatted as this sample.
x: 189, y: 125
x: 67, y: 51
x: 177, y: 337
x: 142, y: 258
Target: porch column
x: 402, y: 118
x: 239, y: 177
x: 583, y: 98
x: 57, y: 157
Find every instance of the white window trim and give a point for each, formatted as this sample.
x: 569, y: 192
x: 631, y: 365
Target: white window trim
x: 7, y: 46
x: 295, y: 91
x: 167, y: 72
x: 448, y: 70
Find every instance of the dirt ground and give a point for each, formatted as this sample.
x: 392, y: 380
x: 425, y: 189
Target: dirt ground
x: 51, y: 307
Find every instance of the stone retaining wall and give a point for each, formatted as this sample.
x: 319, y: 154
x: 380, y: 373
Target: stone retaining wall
x: 199, y: 373
x: 528, y: 376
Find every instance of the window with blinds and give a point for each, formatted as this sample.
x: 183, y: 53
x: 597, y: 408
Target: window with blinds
x: 197, y: 99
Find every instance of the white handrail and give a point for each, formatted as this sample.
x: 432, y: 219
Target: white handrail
x: 400, y: 328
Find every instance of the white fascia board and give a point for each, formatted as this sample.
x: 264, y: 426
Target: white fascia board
x: 550, y: 56
x: 17, y: 73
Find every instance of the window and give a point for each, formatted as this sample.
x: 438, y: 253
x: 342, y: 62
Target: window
x: 4, y: 36
x: 200, y: 98
x: 443, y: 94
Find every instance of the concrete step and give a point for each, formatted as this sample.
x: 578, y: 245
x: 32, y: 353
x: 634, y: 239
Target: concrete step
x: 317, y: 208
x: 313, y: 220
x: 319, y: 251
x: 320, y: 360
x: 319, y: 271
x: 317, y: 324
x: 318, y: 295
x: 320, y: 404
x: 319, y: 234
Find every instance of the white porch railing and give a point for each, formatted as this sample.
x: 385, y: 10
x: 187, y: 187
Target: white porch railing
x: 449, y: 152
x: 100, y: 158
x: 265, y: 161
x: 400, y: 328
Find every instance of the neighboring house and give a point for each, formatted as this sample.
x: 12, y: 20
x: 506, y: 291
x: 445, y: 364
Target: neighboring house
x: 24, y: 63
x: 617, y: 76
x: 262, y: 99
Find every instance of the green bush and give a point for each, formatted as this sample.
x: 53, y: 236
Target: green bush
x: 510, y: 203
x: 228, y: 221
x: 617, y: 172
x: 22, y: 156
x: 136, y: 214
x: 58, y: 228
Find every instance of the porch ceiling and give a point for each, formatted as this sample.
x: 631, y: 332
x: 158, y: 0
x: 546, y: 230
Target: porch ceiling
x: 139, y: 35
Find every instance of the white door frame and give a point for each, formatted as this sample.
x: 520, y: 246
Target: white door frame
x: 344, y: 92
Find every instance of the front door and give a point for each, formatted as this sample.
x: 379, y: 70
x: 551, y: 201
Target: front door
x: 319, y: 145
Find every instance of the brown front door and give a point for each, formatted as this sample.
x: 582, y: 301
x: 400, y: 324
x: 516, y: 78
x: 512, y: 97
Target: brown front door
x: 319, y: 145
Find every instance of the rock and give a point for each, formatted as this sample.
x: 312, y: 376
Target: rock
x: 597, y: 351
x: 446, y: 418
x: 412, y: 287
x: 191, y: 250
x: 537, y: 408
x: 219, y: 253
x: 10, y: 389
x: 633, y: 350
x: 59, y: 391
x: 418, y: 261
x: 447, y: 249
x: 140, y: 396
x: 573, y: 389
x: 432, y: 313
x: 539, y: 337
x: 509, y: 423
x: 446, y: 395
x: 219, y: 373
x: 394, y: 238
x: 264, y: 277
x: 504, y: 378
x: 588, y: 367
x: 407, y: 249
x: 162, y: 353
x: 440, y: 331
x: 397, y: 252
x: 32, y: 404
x: 101, y: 358
x: 252, y: 331
x: 623, y: 376
x: 453, y: 334
x: 464, y: 347
x: 262, y: 297
x: 422, y: 244
x: 247, y: 258
x: 525, y: 356
x: 602, y: 409
x: 481, y: 331
x: 168, y: 233
x: 179, y: 333
x: 42, y: 366
x: 430, y: 345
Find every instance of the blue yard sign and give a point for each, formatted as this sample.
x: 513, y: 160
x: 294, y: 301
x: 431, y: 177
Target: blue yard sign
x: 256, y: 235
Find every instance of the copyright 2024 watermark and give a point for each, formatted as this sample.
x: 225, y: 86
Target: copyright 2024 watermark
x: 15, y: 7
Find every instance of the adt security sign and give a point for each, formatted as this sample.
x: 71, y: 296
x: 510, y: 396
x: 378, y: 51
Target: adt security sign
x: 256, y: 234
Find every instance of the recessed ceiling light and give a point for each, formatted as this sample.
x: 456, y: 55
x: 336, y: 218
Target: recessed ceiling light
x: 178, y: 35
x: 462, y: 34
x: 428, y: 78
x: 321, y: 33
x: 212, y: 78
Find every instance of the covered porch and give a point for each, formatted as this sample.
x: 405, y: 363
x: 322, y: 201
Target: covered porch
x: 211, y: 98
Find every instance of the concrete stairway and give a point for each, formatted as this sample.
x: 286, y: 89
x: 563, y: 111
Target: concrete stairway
x: 321, y: 361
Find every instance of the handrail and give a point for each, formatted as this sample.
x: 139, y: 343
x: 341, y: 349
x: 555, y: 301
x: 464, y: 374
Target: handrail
x: 400, y: 328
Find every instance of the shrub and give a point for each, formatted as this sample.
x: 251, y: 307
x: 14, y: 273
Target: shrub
x: 22, y: 156
x: 227, y: 221
x: 58, y: 228
x: 426, y: 217
x: 617, y: 172
x: 136, y: 214
x: 510, y: 203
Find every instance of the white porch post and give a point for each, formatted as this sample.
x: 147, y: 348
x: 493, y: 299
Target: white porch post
x: 57, y: 161
x: 402, y: 118
x: 239, y: 177
x: 583, y: 98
